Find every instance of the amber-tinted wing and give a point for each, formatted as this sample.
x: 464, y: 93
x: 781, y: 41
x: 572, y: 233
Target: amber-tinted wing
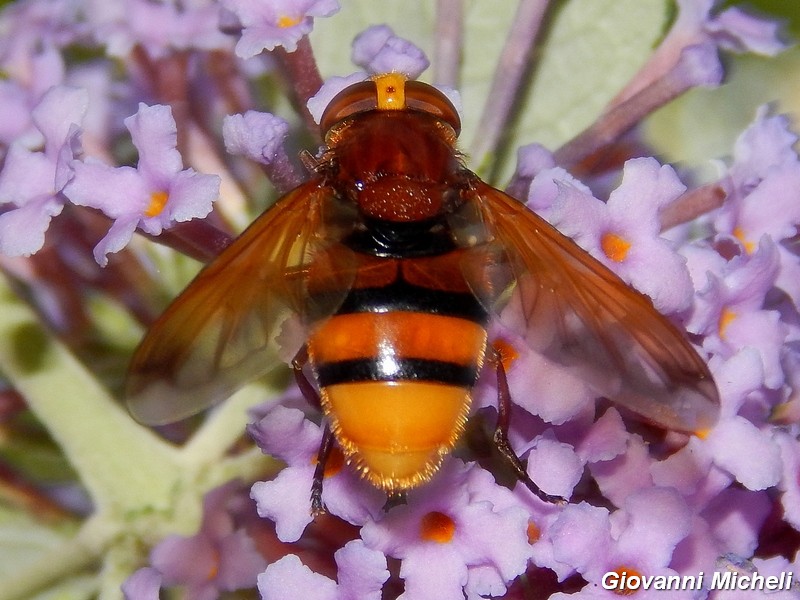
x: 576, y: 312
x: 219, y: 333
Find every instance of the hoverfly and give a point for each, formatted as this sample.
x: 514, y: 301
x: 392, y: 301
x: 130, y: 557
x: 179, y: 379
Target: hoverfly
x: 394, y: 257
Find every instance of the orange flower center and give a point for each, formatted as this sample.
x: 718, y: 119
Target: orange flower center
x: 702, y: 433
x: 726, y: 317
x: 615, y: 247
x: 285, y: 21
x: 437, y: 527
x: 213, y: 571
x: 740, y: 235
x: 158, y: 200
x: 629, y: 581
x: 534, y: 533
x: 507, y: 353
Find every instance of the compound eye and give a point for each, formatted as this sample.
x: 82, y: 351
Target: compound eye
x: 356, y: 98
x: 426, y: 98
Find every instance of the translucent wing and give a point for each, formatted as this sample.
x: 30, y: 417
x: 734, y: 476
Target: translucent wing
x: 578, y: 313
x: 219, y: 333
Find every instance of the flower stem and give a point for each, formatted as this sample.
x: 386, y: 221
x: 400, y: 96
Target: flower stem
x: 202, y: 154
x: 303, y: 74
x: 448, y: 40
x: 696, y: 67
x: 282, y: 172
x: 692, y: 204
x: 508, y: 76
x: 196, y: 238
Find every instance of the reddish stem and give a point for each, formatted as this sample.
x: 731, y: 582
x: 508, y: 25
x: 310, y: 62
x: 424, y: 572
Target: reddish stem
x: 303, y: 74
x: 692, y: 204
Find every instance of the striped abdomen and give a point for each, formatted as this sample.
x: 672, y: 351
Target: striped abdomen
x: 395, y: 366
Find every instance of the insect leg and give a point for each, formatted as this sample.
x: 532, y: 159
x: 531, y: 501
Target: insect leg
x: 325, y: 447
x: 306, y: 388
x: 395, y: 498
x: 501, y: 434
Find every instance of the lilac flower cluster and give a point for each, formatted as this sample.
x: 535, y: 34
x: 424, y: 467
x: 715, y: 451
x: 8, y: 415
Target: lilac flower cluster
x: 719, y: 259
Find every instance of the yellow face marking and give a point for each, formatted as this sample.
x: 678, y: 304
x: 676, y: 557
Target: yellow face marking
x: 391, y: 91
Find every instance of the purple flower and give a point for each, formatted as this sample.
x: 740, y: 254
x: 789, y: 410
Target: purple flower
x: 762, y: 196
x: 776, y: 566
x: 286, y: 434
x: 378, y: 50
x: 451, y: 534
x: 735, y: 30
x: 361, y: 574
x: 159, y: 28
x: 154, y: 195
x: 319, y: 101
x: 32, y: 74
x: 554, y: 466
x: 267, y: 25
x: 734, y: 519
x: 638, y: 538
x: 735, y: 448
x: 544, y: 388
x: 697, y: 29
x: 790, y: 477
x: 644, y: 502
x: 728, y: 519
x: 144, y: 584
x: 258, y: 136
x: 729, y: 306
x: 624, y: 233
x: 33, y: 33
x: 218, y: 558
x: 533, y: 159
x: 626, y: 473
x: 31, y: 182
x: 765, y: 148
x: 605, y: 439
x: 749, y: 454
